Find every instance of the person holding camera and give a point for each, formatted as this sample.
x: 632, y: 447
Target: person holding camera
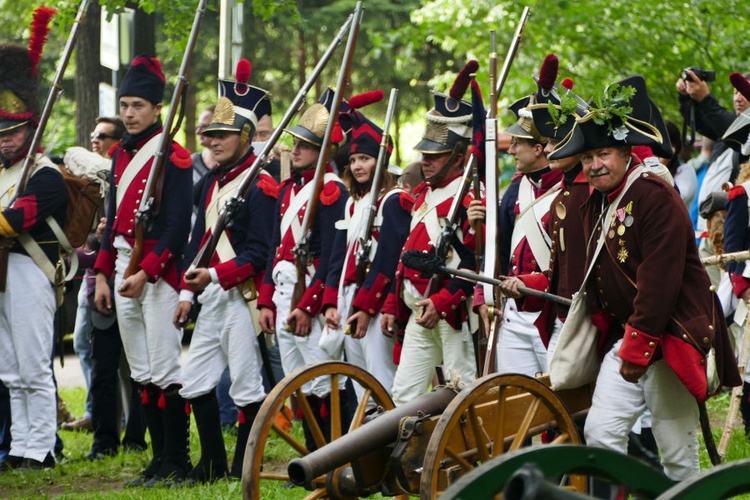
x: 702, y: 112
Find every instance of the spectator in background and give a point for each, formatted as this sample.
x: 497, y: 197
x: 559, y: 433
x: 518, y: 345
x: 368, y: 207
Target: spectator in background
x: 699, y: 164
x: 683, y: 174
x: 105, y: 134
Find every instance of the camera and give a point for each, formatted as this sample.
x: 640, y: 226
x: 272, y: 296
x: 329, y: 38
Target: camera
x: 707, y: 75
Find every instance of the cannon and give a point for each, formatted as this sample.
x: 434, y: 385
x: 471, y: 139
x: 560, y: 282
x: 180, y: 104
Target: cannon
x: 418, y: 449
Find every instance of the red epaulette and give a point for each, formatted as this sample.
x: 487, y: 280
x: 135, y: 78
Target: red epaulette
x: 331, y: 193
x: 112, y: 149
x: 180, y: 157
x: 736, y: 191
x: 406, y: 200
x: 269, y: 186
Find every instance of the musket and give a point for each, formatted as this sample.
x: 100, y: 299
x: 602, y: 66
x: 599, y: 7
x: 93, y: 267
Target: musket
x: 149, y: 206
x: 365, y: 237
x: 721, y: 258
x: 228, y: 210
x: 54, y: 91
x: 489, y: 260
x: 491, y: 264
x: 427, y: 263
x: 301, y: 250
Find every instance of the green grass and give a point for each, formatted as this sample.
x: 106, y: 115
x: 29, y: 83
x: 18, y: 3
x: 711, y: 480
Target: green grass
x: 77, y: 477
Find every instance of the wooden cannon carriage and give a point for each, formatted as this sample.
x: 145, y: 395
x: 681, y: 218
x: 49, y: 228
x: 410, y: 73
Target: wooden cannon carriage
x: 418, y: 449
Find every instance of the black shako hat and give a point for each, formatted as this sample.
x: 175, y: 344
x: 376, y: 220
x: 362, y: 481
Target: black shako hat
x: 144, y: 79
x: 239, y: 104
x: 450, y: 120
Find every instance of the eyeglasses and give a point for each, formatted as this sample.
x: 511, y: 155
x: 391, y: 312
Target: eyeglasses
x: 101, y: 136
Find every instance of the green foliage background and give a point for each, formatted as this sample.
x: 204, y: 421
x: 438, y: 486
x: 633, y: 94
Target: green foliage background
x: 419, y: 45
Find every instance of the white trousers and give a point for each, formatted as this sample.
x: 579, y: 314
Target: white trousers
x: 617, y: 404
x: 519, y: 347
x: 373, y: 352
x: 27, y: 311
x: 297, y: 352
x: 150, y: 340
x: 224, y: 335
x: 424, y: 349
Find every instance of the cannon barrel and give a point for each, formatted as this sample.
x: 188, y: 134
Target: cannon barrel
x: 371, y: 436
x: 528, y: 483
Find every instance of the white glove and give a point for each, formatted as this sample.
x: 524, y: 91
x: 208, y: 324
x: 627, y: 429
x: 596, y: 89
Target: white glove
x: 745, y: 148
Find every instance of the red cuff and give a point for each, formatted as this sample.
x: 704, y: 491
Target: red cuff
x: 105, y: 263
x: 312, y: 300
x: 478, y: 298
x: 231, y: 275
x: 372, y: 300
x: 638, y: 347
x: 265, y: 296
x: 537, y: 281
x: 154, y: 265
x: 330, y: 297
x: 739, y: 284
x: 445, y: 303
x: 389, y: 307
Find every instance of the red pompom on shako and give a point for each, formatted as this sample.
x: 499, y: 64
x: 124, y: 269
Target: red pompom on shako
x: 365, y: 135
x: 548, y: 72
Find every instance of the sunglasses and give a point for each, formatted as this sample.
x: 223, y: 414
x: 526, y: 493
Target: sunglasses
x: 101, y: 136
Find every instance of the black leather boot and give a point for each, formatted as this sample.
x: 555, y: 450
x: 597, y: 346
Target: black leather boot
x: 152, y: 415
x: 175, y: 463
x: 213, y: 462
x: 247, y: 417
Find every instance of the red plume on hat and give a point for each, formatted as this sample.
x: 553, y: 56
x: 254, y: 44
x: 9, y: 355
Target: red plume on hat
x: 365, y: 99
x: 39, y: 30
x: 740, y: 83
x: 242, y: 74
x: 463, y: 79
x: 567, y: 83
x: 548, y: 73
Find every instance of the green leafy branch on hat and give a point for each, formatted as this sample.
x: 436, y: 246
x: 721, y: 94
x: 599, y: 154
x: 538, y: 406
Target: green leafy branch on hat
x: 611, y: 104
x: 560, y: 113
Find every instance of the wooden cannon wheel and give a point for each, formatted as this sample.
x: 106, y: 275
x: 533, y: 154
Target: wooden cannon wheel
x: 494, y: 415
x: 252, y: 471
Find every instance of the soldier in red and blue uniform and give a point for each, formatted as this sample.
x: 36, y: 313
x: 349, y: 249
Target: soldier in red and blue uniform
x: 27, y: 299
x: 297, y: 328
x: 224, y: 333
x: 147, y: 299
x: 436, y: 330
x: 359, y: 304
x: 737, y: 227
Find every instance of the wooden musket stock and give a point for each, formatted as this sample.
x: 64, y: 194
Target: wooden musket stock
x: 149, y: 206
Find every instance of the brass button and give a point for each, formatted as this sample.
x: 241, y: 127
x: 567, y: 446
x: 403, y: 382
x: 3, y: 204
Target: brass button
x: 634, y: 334
x: 651, y: 344
x: 647, y: 354
x: 706, y: 340
x: 378, y: 295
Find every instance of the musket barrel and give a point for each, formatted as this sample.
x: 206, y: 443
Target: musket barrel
x: 371, y: 436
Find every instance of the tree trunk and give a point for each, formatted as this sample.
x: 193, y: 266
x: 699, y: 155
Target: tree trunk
x: 88, y: 74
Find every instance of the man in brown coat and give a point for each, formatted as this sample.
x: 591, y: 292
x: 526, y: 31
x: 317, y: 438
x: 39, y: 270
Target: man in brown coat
x: 647, y: 290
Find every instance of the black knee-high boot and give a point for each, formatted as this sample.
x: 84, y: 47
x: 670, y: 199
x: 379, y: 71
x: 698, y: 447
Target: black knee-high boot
x: 175, y: 463
x: 152, y: 415
x: 213, y: 462
x: 246, y: 419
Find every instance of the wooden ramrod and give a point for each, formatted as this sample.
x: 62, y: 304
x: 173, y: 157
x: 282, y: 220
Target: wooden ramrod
x: 368, y: 449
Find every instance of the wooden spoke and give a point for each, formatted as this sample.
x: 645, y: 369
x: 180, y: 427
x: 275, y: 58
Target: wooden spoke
x: 359, y: 413
x: 289, y: 447
x: 494, y: 412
